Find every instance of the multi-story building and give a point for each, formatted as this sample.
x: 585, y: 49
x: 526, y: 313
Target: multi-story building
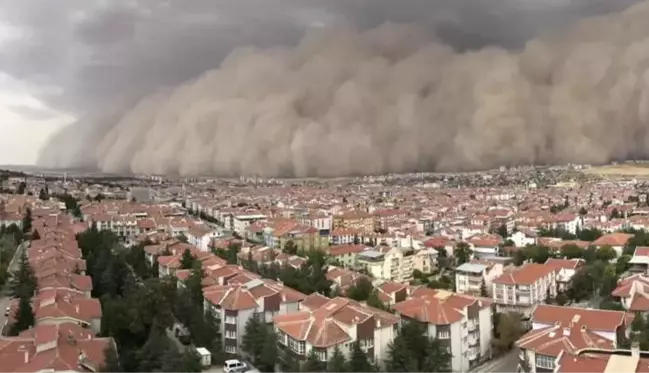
x: 234, y: 303
x: 522, y: 288
x: 395, y: 264
x: 355, y: 219
x: 557, y: 331
x: 324, y: 324
x: 470, y: 278
x: 461, y: 322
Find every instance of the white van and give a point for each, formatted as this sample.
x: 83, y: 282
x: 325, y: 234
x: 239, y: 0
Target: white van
x: 234, y: 366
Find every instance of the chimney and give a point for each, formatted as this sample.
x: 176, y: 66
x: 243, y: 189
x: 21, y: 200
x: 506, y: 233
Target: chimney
x: 635, y: 349
x: 77, y: 308
x: 26, y: 357
x: 71, y: 339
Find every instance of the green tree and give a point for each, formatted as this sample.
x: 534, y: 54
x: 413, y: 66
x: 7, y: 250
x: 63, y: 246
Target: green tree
x: 23, y: 281
x: 572, y: 251
x: 462, y: 253
x: 290, y: 247
x: 21, y: 187
x: 194, y: 284
x: 43, y: 195
x: 269, y: 355
x: 288, y: 363
x: 182, y: 238
x: 313, y: 363
x: 24, y: 316
x: 187, y: 260
x: 483, y: 289
x: 27, y: 220
x: 605, y: 253
x: 358, y: 361
x: 438, y: 359
x: 361, y: 289
x: 254, y: 338
x: 502, y: 231
x: 337, y: 362
x: 509, y: 330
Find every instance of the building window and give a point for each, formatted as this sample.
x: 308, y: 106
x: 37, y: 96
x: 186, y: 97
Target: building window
x: 230, y: 320
x: 321, y: 354
x: 297, y: 346
x: 230, y: 349
x: 366, y: 343
x: 444, y: 335
x: 543, y: 361
x: 230, y: 334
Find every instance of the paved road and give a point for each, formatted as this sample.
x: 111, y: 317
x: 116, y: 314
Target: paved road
x: 505, y: 363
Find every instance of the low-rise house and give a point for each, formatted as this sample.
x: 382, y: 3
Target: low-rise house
x: 522, y: 288
x: 461, y: 322
x: 567, y: 330
x: 339, y: 322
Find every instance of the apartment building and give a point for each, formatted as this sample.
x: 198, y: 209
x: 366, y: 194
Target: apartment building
x: 324, y: 324
x: 520, y: 289
x: 392, y: 264
x: 241, y: 221
x: 354, y: 219
x: 597, y: 361
x: 463, y: 323
x: 201, y: 236
x: 566, y: 269
x: 234, y: 303
x: 633, y: 293
x: 559, y: 331
x: 346, y: 254
x: 471, y: 277
x: 57, y: 306
x: 53, y: 347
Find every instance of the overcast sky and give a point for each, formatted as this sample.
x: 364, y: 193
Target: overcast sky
x: 61, y: 59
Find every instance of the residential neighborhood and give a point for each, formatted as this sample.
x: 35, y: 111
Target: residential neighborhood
x: 369, y: 277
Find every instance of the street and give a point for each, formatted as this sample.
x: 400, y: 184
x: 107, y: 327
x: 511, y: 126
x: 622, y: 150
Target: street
x: 505, y: 363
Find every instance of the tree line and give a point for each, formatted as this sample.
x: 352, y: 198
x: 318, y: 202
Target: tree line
x: 137, y: 308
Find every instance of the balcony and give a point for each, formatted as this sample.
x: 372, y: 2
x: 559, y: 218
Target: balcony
x: 472, y: 326
x: 473, y: 341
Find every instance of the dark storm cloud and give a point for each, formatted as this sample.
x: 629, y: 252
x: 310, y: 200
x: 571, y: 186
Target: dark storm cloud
x: 98, y: 58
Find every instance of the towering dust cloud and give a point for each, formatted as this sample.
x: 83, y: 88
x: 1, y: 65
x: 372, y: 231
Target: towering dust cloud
x: 387, y: 100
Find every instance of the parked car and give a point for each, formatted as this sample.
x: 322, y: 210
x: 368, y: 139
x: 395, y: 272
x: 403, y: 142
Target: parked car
x: 234, y: 366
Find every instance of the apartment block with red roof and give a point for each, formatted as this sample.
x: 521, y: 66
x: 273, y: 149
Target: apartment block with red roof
x: 615, y: 240
x: 461, y: 322
x: 324, y: 324
x: 54, y: 348
x: 640, y: 260
x: 566, y: 330
x: 598, y: 361
x: 522, y: 288
x: 633, y: 293
x: 566, y: 269
x: 242, y: 297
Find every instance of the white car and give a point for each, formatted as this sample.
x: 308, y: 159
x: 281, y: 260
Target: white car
x: 234, y: 366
